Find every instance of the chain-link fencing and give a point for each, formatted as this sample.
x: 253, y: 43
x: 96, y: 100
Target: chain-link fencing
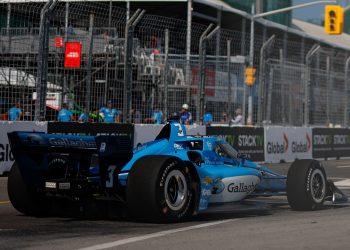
x: 144, y: 64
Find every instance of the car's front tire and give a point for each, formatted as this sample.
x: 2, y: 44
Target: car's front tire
x: 160, y: 189
x: 306, y: 185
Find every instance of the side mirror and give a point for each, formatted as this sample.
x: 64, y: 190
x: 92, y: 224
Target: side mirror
x: 195, y: 157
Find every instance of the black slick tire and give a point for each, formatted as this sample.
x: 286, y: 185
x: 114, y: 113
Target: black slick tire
x: 160, y: 189
x: 306, y: 185
x: 24, y: 198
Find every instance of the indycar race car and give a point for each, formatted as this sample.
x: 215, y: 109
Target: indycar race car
x: 166, y: 180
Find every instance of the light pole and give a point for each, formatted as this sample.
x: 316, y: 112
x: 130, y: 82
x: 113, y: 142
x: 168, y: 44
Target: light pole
x: 251, y: 48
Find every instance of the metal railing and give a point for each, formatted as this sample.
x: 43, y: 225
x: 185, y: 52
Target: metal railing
x: 296, y: 85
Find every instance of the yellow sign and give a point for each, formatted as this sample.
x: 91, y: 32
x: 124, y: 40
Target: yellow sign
x: 334, y: 19
x: 250, y: 76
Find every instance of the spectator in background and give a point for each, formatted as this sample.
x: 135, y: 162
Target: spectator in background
x: 83, y: 117
x: 109, y: 114
x: 238, y: 119
x: 207, y: 118
x: 15, y: 112
x: 185, y: 115
x: 65, y: 115
x: 224, y: 118
x: 157, y: 117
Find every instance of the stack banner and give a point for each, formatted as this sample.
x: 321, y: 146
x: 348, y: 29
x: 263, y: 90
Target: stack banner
x: 148, y: 132
x: 285, y: 144
x: 331, y: 142
x: 247, y: 140
x: 6, y: 157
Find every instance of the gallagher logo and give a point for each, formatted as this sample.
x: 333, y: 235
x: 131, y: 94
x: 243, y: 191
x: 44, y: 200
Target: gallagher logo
x: 278, y: 148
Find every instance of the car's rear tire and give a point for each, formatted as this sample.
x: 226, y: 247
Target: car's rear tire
x: 160, y: 189
x: 306, y: 185
x: 25, y: 198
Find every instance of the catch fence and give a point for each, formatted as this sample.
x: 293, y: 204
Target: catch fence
x: 154, y: 68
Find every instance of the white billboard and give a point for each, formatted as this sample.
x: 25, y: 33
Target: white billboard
x: 287, y: 144
x: 6, y: 157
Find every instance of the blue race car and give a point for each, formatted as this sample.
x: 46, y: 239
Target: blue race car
x: 166, y: 180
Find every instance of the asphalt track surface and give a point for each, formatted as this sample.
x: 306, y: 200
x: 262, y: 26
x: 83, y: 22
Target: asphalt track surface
x: 247, y: 227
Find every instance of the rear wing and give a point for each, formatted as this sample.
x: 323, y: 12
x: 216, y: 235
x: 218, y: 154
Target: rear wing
x: 33, y: 152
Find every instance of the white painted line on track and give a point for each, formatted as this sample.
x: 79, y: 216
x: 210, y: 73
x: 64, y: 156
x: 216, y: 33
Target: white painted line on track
x: 343, y: 183
x: 154, y: 235
x: 343, y: 166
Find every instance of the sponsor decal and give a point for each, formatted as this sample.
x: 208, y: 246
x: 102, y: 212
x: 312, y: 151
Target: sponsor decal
x: 285, y: 142
x: 341, y: 139
x: 296, y: 146
x: 206, y: 192
x: 6, y: 153
x: 299, y: 147
x: 250, y: 141
x: 241, y: 187
x: 178, y: 146
x: 207, y: 180
x: 166, y: 172
x: 103, y: 147
x: 209, y: 145
x: 322, y: 140
x: 71, y: 143
x: 218, y: 188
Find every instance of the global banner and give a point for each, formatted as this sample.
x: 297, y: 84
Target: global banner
x: 6, y: 157
x: 287, y: 144
x: 247, y: 140
x: 331, y: 142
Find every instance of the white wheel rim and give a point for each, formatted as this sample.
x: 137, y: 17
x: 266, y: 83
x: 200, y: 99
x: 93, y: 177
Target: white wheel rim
x: 175, y: 190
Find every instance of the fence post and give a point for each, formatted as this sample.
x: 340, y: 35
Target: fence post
x: 346, y: 85
x: 42, y: 67
x: 188, y: 50
x: 328, y: 88
x: 89, y: 65
x: 202, y: 69
x: 262, y: 91
x: 269, y: 95
x: 166, y: 74
x: 229, y: 83
x: 128, y: 52
x: 307, y: 83
x: 283, y: 88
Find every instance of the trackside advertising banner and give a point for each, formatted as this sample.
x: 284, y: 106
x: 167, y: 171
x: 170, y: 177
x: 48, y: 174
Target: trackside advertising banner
x: 6, y: 157
x: 246, y: 140
x: 148, y: 132
x: 287, y: 144
x: 331, y: 142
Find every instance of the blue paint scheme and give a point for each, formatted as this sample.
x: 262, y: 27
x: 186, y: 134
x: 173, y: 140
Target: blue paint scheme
x: 219, y: 159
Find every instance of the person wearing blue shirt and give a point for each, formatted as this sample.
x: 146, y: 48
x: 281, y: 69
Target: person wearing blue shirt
x: 83, y: 117
x: 65, y: 115
x: 157, y: 117
x: 207, y: 118
x: 15, y: 112
x: 109, y: 114
x: 185, y: 116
